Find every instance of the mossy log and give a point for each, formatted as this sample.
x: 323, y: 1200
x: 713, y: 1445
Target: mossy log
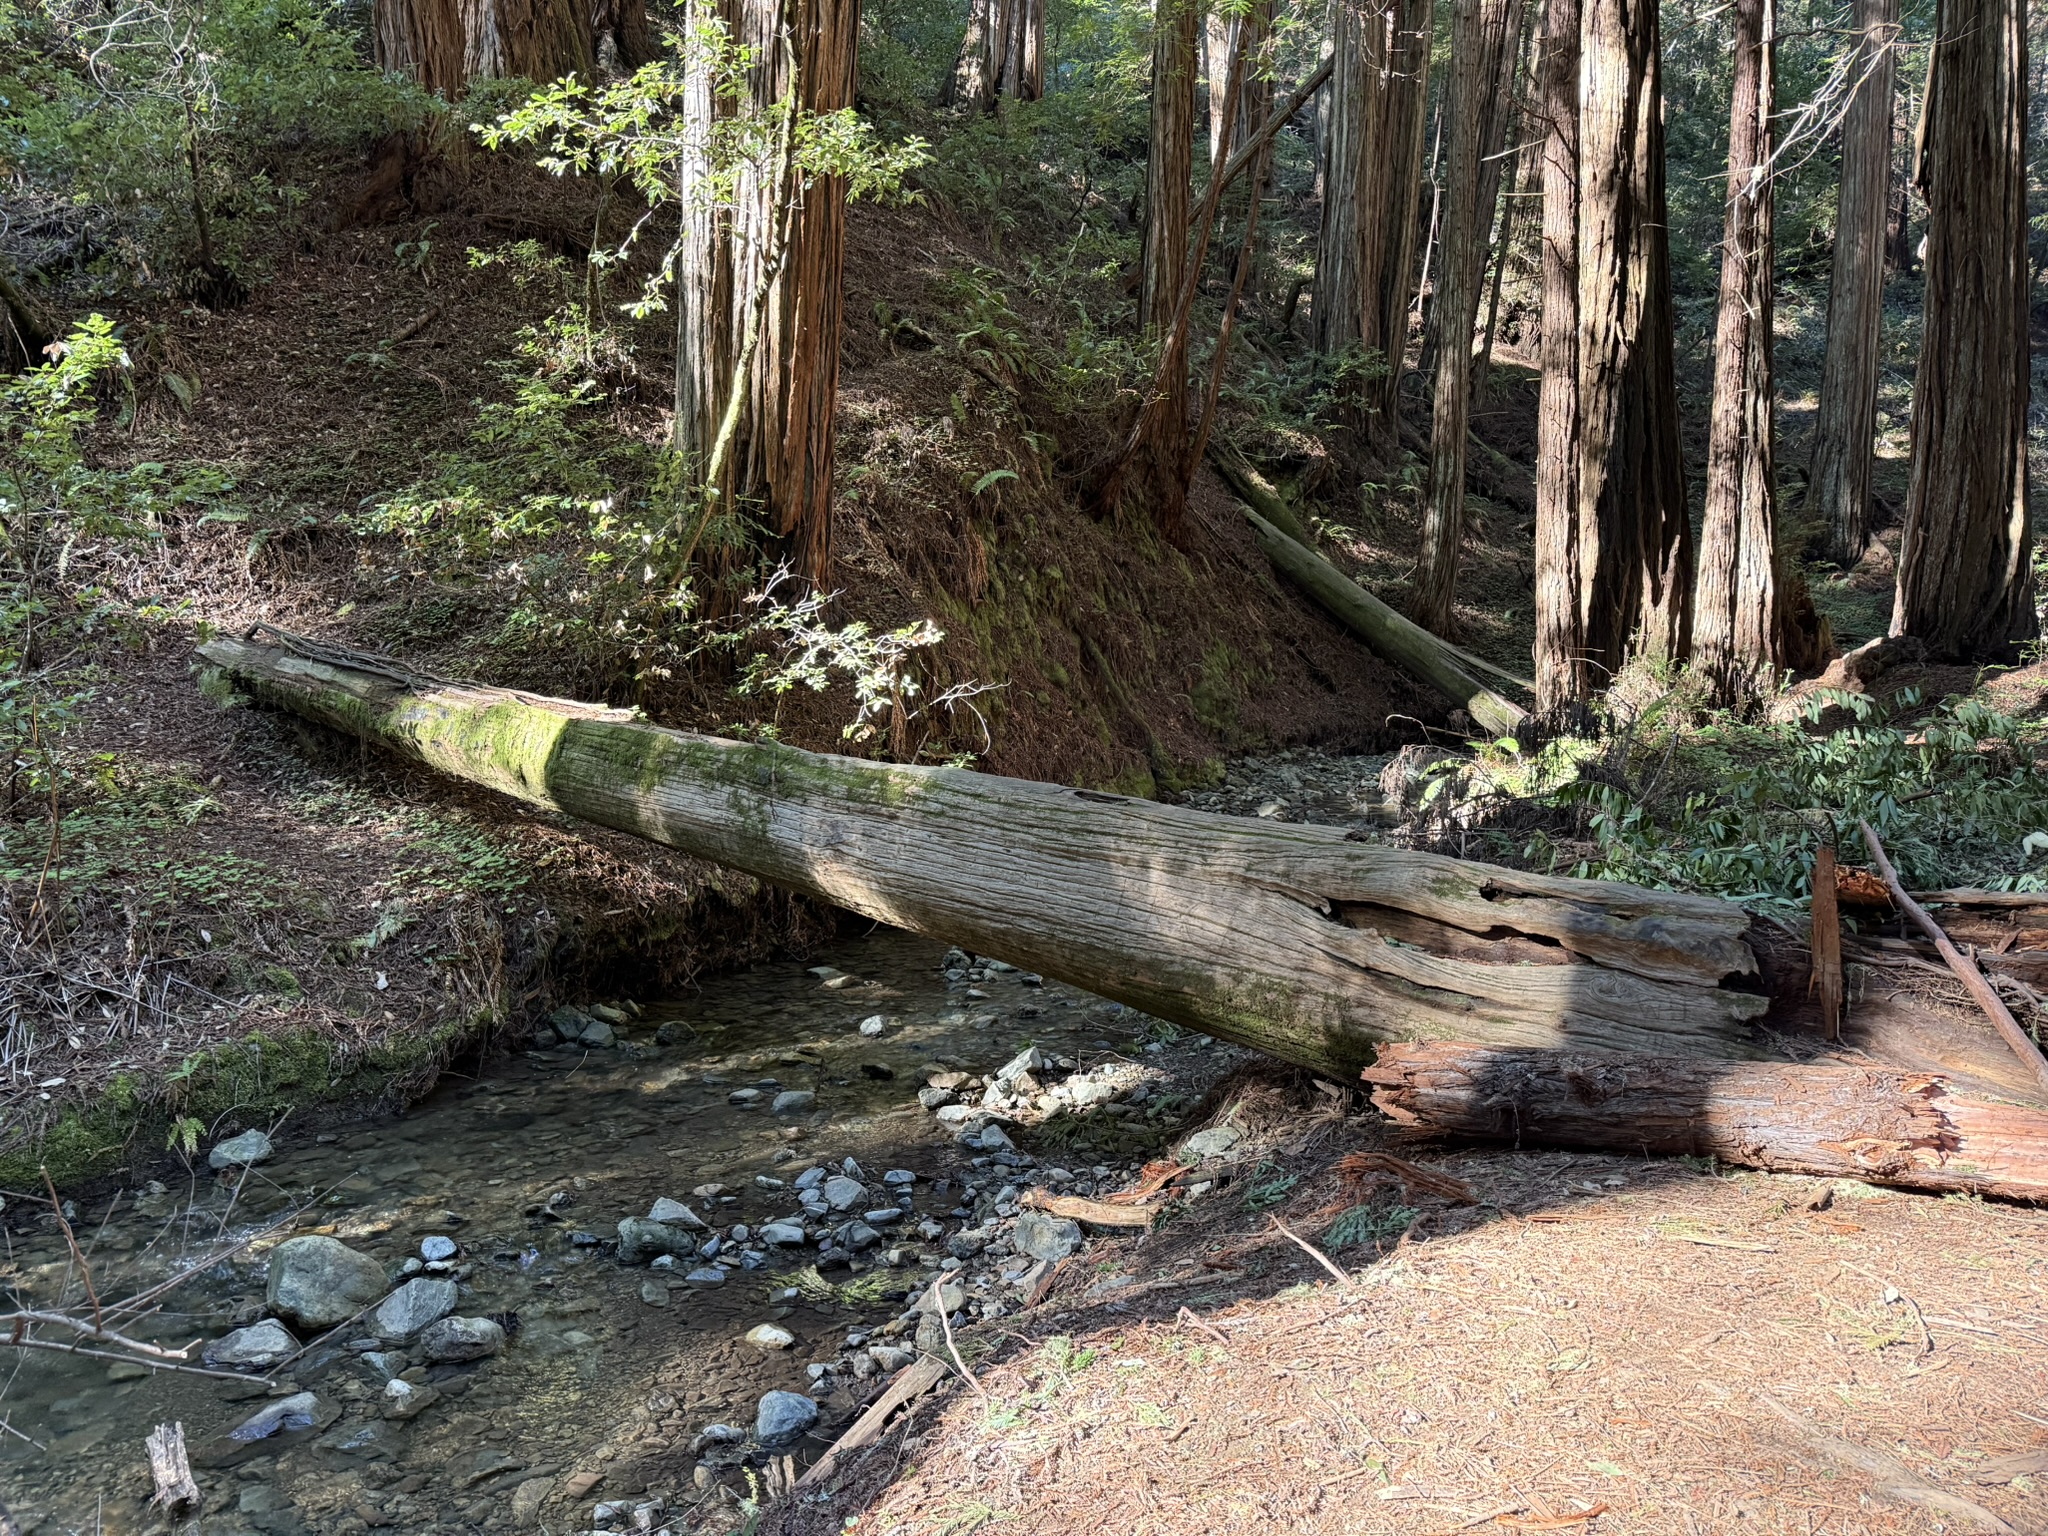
x: 1291, y: 939
x: 1834, y: 1120
x: 1392, y: 636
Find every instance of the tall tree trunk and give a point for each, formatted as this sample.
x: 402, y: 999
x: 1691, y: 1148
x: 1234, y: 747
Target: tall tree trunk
x: 1502, y: 211
x: 1846, y: 429
x: 1002, y: 54
x: 1169, y: 162
x: 760, y: 300
x: 1736, y: 623
x: 1965, y: 576
x: 1562, y: 675
x: 1480, y: 53
x: 1358, y: 58
x: 1371, y: 171
x: 1219, y: 42
x: 444, y: 44
x: 1390, y: 283
x: 1635, y: 538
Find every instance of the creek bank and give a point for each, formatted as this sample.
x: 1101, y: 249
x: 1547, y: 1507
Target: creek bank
x: 525, y: 1372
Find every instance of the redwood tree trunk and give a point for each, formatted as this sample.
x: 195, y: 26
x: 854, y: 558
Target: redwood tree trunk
x: 772, y: 268
x: 444, y: 44
x: 1736, y: 619
x: 1635, y: 538
x: 1169, y: 162
x: 1562, y: 674
x: 1002, y: 54
x: 1846, y: 428
x: 1388, y: 283
x: 1481, y: 48
x: 1965, y: 578
x: 1350, y: 102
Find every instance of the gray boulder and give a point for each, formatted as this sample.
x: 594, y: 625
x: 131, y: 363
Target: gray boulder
x: 239, y: 1151
x: 1040, y: 1236
x: 673, y: 1213
x: 256, y: 1347
x: 455, y: 1339
x: 842, y: 1193
x: 642, y: 1238
x: 1214, y: 1142
x: 783, y: 1234
x: 411, y: 1308
x: 316, y: 1282
x: 783, y: 1416
x: 793, y: 1101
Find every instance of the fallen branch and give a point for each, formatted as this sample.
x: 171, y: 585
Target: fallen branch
x: 1096, y: 1213
x: 1966, y: 969
x: 910, y: 1383
x: 1311, y: 1250
x: 169, y: 1469
x: 1910, y: 1129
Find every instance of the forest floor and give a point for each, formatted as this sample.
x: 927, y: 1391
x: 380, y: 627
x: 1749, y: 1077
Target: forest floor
x: 1574, y: 1343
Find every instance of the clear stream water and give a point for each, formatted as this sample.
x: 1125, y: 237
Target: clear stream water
x: 612, y: 1371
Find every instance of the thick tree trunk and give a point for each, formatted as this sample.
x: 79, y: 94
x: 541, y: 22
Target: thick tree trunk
x: 760, y: 298
x: 1836, y: 1121
x: 1737, y: 623
x: 1289, y: 938
x: 1562, y: 673
x: 1357, y: 58
x: 1481, y: 50
x: 444, y: 44
x: 1169, y: 163
x: 1002, y: 54
x: 1965, y: 572
x: 24, y: 333
x: 1389, y: 281
x: 1371, y: 171
x: 1845, y: 429
x: 1635, y: 537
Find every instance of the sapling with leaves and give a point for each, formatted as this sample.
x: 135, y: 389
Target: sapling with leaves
x: 748, y: 148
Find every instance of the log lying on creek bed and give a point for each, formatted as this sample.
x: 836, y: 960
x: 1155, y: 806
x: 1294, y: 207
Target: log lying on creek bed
x: 1287, y: 938
x: 1910, y: 1129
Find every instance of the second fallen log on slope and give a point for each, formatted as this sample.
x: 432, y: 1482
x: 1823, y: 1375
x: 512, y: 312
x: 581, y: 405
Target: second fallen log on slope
x: 1398, y: 639
x: 1910, y: 1129
x: 1288, y: 938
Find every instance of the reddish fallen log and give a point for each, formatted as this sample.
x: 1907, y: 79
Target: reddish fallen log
x: 1910, y: 1129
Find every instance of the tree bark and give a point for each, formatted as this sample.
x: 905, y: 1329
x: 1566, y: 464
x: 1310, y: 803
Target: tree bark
x: 1481, y: 51
x: 1737, y: 619
x: 23, y: 331
x: 1965, y: 569
x: 1562, y: 673
x: 769, y: 268
x: 444, y: 44
x: 1845, y: 430
x: 1002, y: 54
x: 1907, y: 1129
x: 1169, y: 163
x: 1288, y: 938
x: 1635, y: 537
x: 1372, y: 180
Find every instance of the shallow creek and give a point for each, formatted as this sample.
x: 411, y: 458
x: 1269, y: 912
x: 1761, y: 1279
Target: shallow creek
x: 612, y: 1371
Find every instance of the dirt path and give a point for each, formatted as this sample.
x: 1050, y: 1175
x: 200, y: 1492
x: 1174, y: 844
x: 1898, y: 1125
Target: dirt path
x: 1598, y: 1344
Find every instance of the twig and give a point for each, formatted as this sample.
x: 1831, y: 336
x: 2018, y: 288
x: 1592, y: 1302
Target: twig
x: 153, y: 1363
x: 1314, y: 1253
x: 94, y: 1331
x: 71, y: 1242
x: 1209, y: 1328
x: 1965, y: 968
x: 945, y: 1324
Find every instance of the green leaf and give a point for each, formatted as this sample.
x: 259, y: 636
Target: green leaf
x: 993, y: 477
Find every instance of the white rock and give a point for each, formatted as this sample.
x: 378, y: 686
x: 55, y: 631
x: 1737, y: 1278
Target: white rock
x: 770, y: 1336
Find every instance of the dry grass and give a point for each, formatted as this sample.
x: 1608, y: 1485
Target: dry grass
x: 1678, y: 1350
